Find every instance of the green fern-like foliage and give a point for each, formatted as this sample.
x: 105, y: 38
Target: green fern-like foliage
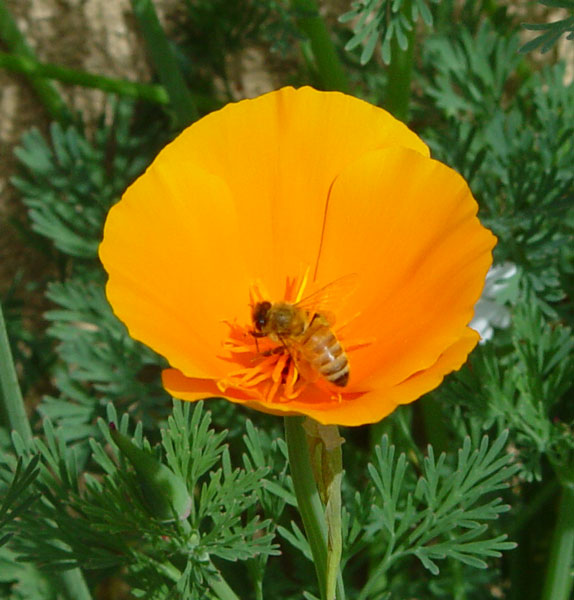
x: 103, y: 519
x: 100, y: 362
x: 383, y: 21
x: 471, y: 72
x: 443, y: 513
x: 106, y: 521
x: 16, y: 483
x: 527, y: 389
x: 516, y: 157
x: 553, y: 31
x: 71, y: 181
x: 23, y: 581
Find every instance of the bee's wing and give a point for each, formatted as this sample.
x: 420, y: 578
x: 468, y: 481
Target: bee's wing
x: 328, y: 299
x: 305, y: 368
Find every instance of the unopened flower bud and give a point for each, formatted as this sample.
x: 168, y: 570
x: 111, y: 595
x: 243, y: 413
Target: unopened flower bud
x: 164, y: 492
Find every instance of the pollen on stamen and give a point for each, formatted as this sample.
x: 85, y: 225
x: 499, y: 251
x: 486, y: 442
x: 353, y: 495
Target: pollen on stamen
x: 291, y: 380
x: 263, y: 367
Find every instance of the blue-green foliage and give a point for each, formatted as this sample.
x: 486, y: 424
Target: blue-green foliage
x: 16, y: 485
x: 104, y: 521
x: 470, y: 73
x: 552, y: 31
x: 516, y: 154
x: 108, y: 365
x: 101, y: 518
x: 70, y: 183
x: 525, y: 389
x: 445, y: 515
x: 382, y: 21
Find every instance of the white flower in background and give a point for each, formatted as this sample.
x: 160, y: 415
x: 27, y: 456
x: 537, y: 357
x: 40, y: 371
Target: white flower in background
x: 490, y: 311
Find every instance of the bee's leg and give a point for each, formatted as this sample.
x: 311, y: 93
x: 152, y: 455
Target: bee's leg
x: 291, y: 359
x: 271, y: 351
x: 285, y: 371
x: 256, y: 334
x: 284, y: 346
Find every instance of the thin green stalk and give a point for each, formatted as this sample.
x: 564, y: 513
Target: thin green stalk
x: 404, y: 418
x: 377, y: 574
x: 74, y: 585
x: 534, y: 506
x: 311, y: 509
x: 308, y: 501
x: 15, y: 42
x: 213, y: 577
x: 333, y: 508
x: 558, y: 583
x: 309, y: 21
x: 165, y: 61
x: 220, y: 587
x: 400, y: 71
x: 399, y: 430
x: 256, y: 568
x: 10, y: 394
x: 459, y: 589
x: 33, y: 68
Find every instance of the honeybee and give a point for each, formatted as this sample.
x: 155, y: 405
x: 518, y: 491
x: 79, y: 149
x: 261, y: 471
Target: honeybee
x: 305, y: 331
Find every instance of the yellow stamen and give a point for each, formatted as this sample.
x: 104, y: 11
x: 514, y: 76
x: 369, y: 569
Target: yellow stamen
x: 302, y: 286
x: 264, y: 367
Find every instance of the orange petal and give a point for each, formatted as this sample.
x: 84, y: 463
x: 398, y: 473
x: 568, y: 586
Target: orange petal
x: 278, y: 154
x: 157, y: 249
x: 421, y: 256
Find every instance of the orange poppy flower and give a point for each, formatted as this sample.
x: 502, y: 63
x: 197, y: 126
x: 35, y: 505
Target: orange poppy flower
x: 273, y: 199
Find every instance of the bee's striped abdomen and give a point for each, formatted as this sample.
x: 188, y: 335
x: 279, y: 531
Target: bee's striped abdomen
x: 325, y: 353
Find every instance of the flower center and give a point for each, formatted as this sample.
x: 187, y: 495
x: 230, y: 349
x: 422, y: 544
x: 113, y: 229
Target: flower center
x: 266, y: 367
x: 269, y: 363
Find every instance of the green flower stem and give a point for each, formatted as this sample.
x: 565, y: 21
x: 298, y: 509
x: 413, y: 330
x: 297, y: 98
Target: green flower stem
x: 458, y: 584
x: 558, y: 583
x: 165, y: 61
x: 308, y: 500
x: 535, y: 505
x: 212, y: 575
x: 323, y: 541
x: 15, y: 42
x: 309, y: 21
x: 220, y: 587
x: 33, y: 68
x: 10, y: 393
x: 400, y: 72
x: 74, y: 585
x: 333, y: 510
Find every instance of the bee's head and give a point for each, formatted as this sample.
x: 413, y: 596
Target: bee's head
x: 260, y: 315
